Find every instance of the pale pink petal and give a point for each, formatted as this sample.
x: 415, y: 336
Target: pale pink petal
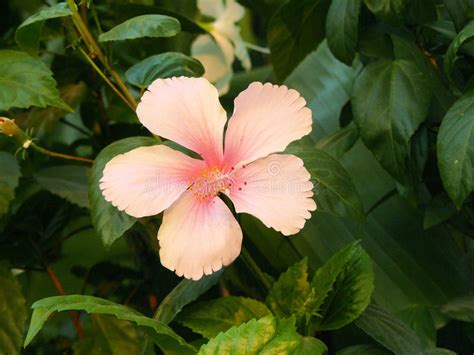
x: 147, y: 180
x: 198, y: 238
x: 186, y: 111
x: 266, y: 119
x: 277, y: 190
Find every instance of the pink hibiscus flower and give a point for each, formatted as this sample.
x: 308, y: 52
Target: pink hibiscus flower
x: 199, y: 234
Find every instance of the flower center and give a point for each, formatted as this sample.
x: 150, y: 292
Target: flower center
x: 209, y: 183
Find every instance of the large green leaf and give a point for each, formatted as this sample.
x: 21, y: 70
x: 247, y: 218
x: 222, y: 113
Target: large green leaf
x: 342, y: 287
x: 391, y: 99
x: 264, y: 336
x: 212, y: 317
x: 388, y: 10
x: 420, y: 320
x: 108, y: 336
x: 28, y: 33
x: 25, y: 82
x: 458, y: 11
x: 9, y: 179
x: 342, y: 29
x: 143, y: 26
x: 335, y: 193
x: 109, y: 222
x: 67, y: 181
x: 295, y: 29
x: 455, y: 149
x: 165, y: 65
x: 450, y: 57
x: 461, y: 308
x: 339, y: 142
x: 184, y: 293
x: 289, y: 295
x: 160, y: 333
x: 13, y: 313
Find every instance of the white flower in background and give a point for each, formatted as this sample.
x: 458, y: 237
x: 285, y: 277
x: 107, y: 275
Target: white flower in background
x: 217, y: 53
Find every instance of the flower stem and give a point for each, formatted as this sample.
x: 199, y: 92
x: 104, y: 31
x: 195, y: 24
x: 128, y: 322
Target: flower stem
x: 60, y: 155
x: 247, y: 258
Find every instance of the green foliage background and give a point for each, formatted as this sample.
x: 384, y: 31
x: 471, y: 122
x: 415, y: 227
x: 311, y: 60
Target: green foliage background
x: 385, y: 265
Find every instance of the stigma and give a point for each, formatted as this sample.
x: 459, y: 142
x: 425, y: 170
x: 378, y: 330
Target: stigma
x: 208, y: 183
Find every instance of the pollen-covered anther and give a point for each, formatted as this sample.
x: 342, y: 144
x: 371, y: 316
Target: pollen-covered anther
x: 209, y: 183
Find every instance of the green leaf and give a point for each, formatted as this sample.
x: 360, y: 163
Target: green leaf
x: 311, y: 346
x: 455, y: 149
x: 184, y: 293
x: 66, y: 181
x: 389, y: 331
x: 161, y: 334
x: 143, y: 26
x: 212, y: 317
x: 109, y: 222
x: 387, y: 10
x: 439, y: 210
x: 29, y: 32
x: 450, y: 57
x: 108, y: 335
x: 342, y: 287
x: 363, y: 349
x: 13, y: 314
x: 295, y: 29
x: 339, y: 142
x: 288, y: 296
x: 25, y: 82
x: 264, y: 336
x: 458, y: 11
x: 342, y: 29
x: 334, y: 190
x: 9, y: 179
x: 419, y: 318
x: 165, y: 65
x: 461, y: 308
x: 391, y: 99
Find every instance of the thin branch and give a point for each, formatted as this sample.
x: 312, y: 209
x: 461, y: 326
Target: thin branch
x: 60, y: 155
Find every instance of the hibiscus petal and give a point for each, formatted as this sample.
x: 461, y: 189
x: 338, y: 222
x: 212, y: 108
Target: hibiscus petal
x: 187, y: 111
x: 147, y: 180
x: 198, y: 238
x: 212, y: 8
x: 266, y: 119
x: 277, y: 190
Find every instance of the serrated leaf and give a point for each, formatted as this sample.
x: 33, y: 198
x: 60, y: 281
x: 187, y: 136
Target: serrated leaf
x: 342, y: 287
x: 461, y: 308
x: 143, y: 26
x: 108, y: 336
x: 28, y: 33
x: 264, y: 336
x: 12, y: 313
x: 387, y: 10
x: 108, y: 221
x: 295, y: 29
x: 342, y: 28
x: 161, y: 334
x: 66, y: 181
x: 184, y: 293
x: 9, y: 179
x: 26, y: 81
x: 215, y: 316
x: 455, y: 149
x: 335, y: 193
x: 290, y: 292
x: 165, y: 65
x: 391, y: 98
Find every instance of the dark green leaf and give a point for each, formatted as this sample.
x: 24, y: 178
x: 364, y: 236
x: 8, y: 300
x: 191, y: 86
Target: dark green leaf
x: 461, y: 308
x: 295, y: 29
x: 419, y: 319
x: 334, y: 190
x: 108, y: 336
x: 212, y: 317
x: 165, y: 65
x: 109, y: 222
x: 311, y: 346
x: 288, y: 296
x: 363, y: 350
x: 342, y: 28
x: 67, y: 181
x: 339, y: 142
x: 8, y: 180
x: 440, y: 209
x: 391, y: 99
x: 458, y: 11
x: 160, y: 333
x: 342, y: 287
x: 450, y: 57
x: 186, y: 292
x: 13, y: 314
x: 387, y: 10
x: 143, y: 26
x: 25, y: 82
x: 28, y: 33
x: 455, y: 149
